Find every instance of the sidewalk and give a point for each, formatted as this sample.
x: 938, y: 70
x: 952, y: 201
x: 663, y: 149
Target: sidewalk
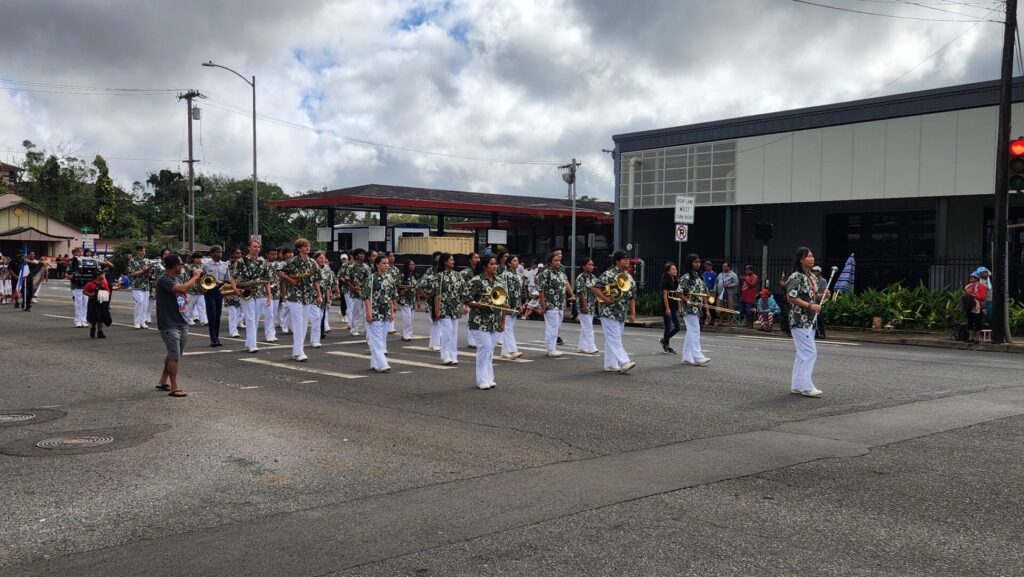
x: 915, y: 338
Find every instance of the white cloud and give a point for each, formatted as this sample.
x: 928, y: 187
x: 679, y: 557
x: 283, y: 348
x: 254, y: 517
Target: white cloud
x: 525, y: 80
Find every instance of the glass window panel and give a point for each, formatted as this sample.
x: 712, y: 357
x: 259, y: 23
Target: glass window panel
x: 703, y: 199
x: 718, y: 185
x: 721, y: 171
x: 675, y: 174
x: 648, y: 176
x: 675, y: 162
x: 691, y: 173
x: 648, y: 190
x: 703, y: 185
x: 725, y: 145
x: 702, y: 148
x: 702, y: 160
x: 675, y: 188
x: 703, y: 172
x: 718, y: 198
x: 724, y: 158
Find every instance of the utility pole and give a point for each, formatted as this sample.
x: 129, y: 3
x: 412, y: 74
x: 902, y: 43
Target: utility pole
x: 191, y: 217
x: 1000, y: 265
x: 569, y: 176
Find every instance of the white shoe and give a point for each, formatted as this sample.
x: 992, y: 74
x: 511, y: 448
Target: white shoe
x: 612, y: 369
x: 207, y: 323
x: 344, y: 319
x: 435, y: 349
x: 624, y: 368
x: 554, y: 353
x: 383, y: 369
x: 138, y: 326
x: 191, y: 323
x: 316, y: 345
x: 508, y: 357
x: 446, y: 362
x: 252, y: 350
x: 484, y: 386
x: 815, y: 393
x: 241, y: 326
x: 795, y: 392
x: 271, y: 340
x: 354, y: 334
x: 145, y: 325
x: 405, y: 340
x: 392, y: 332
x: 301, y: 358
x: 235, y: 335
x: 516, y: 355
x: 588, y: 352
x: 285, y: 330
x: 704, y: 362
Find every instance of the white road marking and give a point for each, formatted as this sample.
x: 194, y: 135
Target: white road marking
x: 306, y: 382
x: 392, y: 361
x: 303, y: 369
x: 786, y: 340
x: 247, y: 388
x: 465, y: 354
x: 216, y: 352
x: 539, y: 350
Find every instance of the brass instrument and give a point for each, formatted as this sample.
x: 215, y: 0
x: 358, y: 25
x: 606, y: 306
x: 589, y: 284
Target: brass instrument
x: 619, y: 287
x: 497, y: 297
x: 299, y: 276
x: 227, y: 291
x: 698, y: 300
x: 207, y: 282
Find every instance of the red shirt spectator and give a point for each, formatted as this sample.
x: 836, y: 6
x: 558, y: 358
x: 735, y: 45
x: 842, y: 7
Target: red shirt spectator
x: 748, y: 290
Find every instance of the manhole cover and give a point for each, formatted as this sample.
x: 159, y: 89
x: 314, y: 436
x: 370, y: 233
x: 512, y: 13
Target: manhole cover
x: 16, y: 417
x: 82, y: 442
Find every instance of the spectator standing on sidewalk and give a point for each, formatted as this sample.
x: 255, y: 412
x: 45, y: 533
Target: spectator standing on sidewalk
x: 973, y: 304
x: 748, y: 295
x: 709, y: 276
x: 670, y: 306
x: 985, y: 278
x: 725, y: 288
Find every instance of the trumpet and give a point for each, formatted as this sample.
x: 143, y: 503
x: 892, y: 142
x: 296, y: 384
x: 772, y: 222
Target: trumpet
x: 618, y: 288
x: 207, y: 282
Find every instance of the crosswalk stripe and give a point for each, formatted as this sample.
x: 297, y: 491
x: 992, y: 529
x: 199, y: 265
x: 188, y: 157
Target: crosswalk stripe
x: 392, y: 361
x: 466, y: 354
x: 303, y: 369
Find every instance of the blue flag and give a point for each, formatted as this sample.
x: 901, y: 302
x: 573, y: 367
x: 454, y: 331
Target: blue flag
x: 845, y: 282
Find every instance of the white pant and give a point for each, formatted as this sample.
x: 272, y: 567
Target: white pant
x: 326, y: 320
x: 269, y: 316
x: 435, y: 333
x: 284, y: 315
x: 313, y: 318
x: 449, y: 339
x: 234, y: 316
x: 300, y: 314
x: 356, y: 313
x: 485, y: 343
x: 470, y: 340
x: 691, y: 344
x: 407, y: 313
x: 806, y: 354
x: 552, y: 322
x: 377, y: 337
x: 80, y: 301
x: 614, y: 355
x: 5, y: 288
x: 391, y: 326
x: 141, y: 309
x: 508, y: 338
x: 197, y: 308
x: 587, y: 342
x: 252, y: 310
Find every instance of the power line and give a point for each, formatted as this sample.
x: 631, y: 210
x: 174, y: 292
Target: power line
x: 841, y: 9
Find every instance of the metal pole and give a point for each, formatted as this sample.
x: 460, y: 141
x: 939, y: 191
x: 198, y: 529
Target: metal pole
x: 572, y: 192
x: 255, y: 207
x: 1000, y: 268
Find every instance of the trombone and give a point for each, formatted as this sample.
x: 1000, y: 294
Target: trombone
x: 703, y: 300
x: 497, y: 297
x: 227, y: 291
x: 618, y: 288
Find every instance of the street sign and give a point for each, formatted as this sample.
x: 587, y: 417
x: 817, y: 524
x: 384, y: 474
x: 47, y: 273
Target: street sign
x: 682, y: 232
x: 88, y: 243
x: 685, y: 207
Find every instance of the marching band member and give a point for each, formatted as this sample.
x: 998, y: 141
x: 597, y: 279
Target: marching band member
x: 467, y: 275
x: 234, y: 303
x: 394, y: 273
x: 253, y: 273
x: 284, y: 317
x: 802, y: 295
x: 379, y: 296
x: 425, y: 290
x: 155, y: 272
x: 553, y: 284
x: 300, y: 274
x: 514, y: 285
x: 316, y: 321
x: 342, y: 290
x: 196, y: 302
x: 270, y: 311
x: 406, y: 287
x: 355, y: 276
x: 485, y: 322
x: 74, y: 276
x: 5, y: 279
x: 447, y: 296
x: 588, y: 304
x: 692, y: 283
x: 328, y: 285
x: 218, y: 269
x: 614, y: 314
x: 139, y: 271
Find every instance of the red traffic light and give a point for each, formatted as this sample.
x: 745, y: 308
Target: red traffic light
x: 1017, y: 147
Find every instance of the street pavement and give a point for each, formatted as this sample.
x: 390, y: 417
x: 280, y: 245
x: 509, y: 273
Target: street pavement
x: 911, y: 464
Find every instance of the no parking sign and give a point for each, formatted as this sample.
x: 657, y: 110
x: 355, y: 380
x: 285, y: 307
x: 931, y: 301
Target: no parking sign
x: 682, y: 232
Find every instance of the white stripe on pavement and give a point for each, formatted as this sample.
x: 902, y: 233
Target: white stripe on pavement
x: 303, y: 369
x: 392, y: 361
x: 465, y: 354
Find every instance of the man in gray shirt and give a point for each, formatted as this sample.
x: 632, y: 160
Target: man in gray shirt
x: 171, y: 304
x: 725, y: 288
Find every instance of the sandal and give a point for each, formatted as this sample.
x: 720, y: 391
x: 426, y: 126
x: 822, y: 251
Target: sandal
x: 163, y: 387
x: 177, y: 393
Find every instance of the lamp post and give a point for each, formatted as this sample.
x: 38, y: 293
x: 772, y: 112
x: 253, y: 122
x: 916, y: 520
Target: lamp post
x: 252, y: 83
x: 569, y: 176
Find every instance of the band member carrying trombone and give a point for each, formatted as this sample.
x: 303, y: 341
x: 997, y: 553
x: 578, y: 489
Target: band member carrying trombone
x: 695, y: 301
x: 252, y: 272
x: 616, y: 290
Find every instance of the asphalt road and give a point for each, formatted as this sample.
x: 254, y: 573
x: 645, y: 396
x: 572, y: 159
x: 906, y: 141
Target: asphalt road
x: 911, y: 464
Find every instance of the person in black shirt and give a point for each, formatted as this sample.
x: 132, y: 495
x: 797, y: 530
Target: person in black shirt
x: 29, y: 282
x: 670, y: 306
x: 73, y: 272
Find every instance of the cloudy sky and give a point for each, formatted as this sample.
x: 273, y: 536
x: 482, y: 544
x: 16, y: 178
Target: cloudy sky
x: 483, y: 95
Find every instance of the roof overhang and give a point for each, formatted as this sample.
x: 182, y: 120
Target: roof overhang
x: 31, y: 234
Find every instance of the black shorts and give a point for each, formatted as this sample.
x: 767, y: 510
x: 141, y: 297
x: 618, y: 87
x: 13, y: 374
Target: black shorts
x: 974, y: 321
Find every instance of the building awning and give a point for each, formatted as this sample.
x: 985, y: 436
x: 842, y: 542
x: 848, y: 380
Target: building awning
x: 428, y: 201
x: 31, y: 234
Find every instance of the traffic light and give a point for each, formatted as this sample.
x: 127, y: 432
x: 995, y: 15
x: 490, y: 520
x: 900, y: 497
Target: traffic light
x: 1015, y: 179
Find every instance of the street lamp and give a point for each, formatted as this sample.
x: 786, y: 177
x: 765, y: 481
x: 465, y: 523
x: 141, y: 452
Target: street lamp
x: 569, y: 176
x: 252, y: 83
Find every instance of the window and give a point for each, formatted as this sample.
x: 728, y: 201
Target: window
x: 700, y: 169
x: 881, y: 234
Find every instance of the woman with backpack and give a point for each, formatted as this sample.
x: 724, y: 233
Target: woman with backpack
x: 973, y: 303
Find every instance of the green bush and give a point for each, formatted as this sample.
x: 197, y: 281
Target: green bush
x: 918, y: 308
x: 649, y: 304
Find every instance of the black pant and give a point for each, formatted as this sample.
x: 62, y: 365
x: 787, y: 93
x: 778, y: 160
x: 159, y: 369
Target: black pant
x: 671, y: 326
x: 28, y: 293
x: 214, y: 304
